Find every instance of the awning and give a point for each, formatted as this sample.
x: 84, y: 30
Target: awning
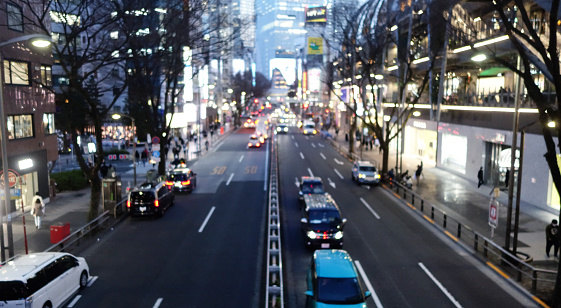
x: 493, y: 71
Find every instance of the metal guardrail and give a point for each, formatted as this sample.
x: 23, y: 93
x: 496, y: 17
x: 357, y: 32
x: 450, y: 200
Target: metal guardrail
x: 274, y: 288
x: 524, y: 273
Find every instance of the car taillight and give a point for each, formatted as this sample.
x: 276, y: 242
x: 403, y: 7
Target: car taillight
x: 128, y: 203
x: 169, y: 183
x: 156, y: 203
x: 185, y: 183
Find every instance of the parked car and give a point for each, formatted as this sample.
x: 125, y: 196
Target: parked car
x: 182, y: 179
x: 310, y: 185
x: 364, y: 172
x: 254, y: 141
x: 150, y: 199
x: 322, y: 223
x: 46, y: 279
x: 333, y: 281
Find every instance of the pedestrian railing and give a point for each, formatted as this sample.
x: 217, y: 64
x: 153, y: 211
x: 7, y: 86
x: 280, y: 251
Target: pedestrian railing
x: 498, y: 258
x: 84, y: 233
x: 274, y: 288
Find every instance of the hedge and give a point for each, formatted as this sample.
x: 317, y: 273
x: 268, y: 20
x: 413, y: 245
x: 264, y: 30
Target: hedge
x: 70, y: 180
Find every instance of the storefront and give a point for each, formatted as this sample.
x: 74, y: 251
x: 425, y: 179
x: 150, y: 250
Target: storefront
x: 33, y: 178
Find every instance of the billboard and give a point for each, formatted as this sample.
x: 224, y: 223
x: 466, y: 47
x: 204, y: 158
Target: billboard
x: 315, y: 46
x: 316, y: 15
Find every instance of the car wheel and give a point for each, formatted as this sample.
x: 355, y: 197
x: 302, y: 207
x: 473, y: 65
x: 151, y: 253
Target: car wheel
x: 83, y: 279
x: 47, y: 305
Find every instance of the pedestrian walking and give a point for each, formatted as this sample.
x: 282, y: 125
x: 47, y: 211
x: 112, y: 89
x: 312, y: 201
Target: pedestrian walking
x: 144, y: 157
x: 507, y: 177
x: 480, y: 177
x: 103, y: 170
x: 206, y: 145
x: 552, y: 238
x: 419, y: 172
x: 137, y: 157
x: 37, y: 209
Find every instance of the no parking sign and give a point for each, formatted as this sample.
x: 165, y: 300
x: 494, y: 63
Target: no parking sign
x: 493, y: 213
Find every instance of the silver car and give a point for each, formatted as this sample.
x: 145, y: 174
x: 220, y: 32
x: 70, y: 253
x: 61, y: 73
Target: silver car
x: 364, y: 172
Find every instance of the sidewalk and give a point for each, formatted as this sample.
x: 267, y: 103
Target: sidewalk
x: 464, y: 202
x: 72, y: 206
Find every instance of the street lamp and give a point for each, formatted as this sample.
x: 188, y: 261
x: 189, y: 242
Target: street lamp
x: 38, y: 40
x: 117, y: 116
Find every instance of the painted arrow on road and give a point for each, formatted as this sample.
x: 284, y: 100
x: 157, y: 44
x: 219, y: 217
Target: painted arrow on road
x: 338, y: 162
x: 331, y: 183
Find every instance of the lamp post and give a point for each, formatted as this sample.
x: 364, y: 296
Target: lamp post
x: 40, y: 41
x: 117, y: 116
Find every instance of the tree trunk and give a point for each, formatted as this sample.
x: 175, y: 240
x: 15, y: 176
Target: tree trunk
x: 385, y: 157
x: 95, y: 198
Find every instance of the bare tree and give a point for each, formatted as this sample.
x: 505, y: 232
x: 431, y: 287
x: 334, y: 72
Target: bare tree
x: 243, y: 83
x: 85, y: 52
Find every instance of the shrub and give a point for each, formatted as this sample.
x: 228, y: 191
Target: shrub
x: 70, y: 180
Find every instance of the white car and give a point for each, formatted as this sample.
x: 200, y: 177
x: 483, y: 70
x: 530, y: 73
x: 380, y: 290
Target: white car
x: 364, y: 172
x: 46, y: 279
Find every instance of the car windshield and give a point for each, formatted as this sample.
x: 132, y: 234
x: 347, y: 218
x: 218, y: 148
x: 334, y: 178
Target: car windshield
x: 339, y: 291
x: 367, y: 168
x: 313, y: 188
x: 12, y: 290
x: 253, y: 138
x: 178, y: 177
x: 309, y: 126
x: 330, y: 217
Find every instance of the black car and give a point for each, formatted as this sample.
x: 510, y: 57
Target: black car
x: 182, y: 179
x: 150, y: 199
x: 322, y: 223
x: 310, y: 186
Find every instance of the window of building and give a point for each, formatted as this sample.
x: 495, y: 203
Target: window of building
x: 15, y: 17
x: 49, y: 123
x: 46, y: 76
x: 16, y: 72
x: 20, y: 126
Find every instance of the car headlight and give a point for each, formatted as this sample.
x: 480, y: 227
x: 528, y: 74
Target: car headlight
x: 377, y: 176
x: 311, y: 234
x: 338, y: 235
x: 286, y: 129
x: 362, y: 176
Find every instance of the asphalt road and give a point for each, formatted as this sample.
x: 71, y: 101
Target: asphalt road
x: 406, y: 261
x: 207, y: 250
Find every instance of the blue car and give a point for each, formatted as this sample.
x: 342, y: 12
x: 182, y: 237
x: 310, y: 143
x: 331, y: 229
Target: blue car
x: 333, y: 281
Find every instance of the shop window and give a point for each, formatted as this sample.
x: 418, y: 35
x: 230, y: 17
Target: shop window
x: 15, y: 17
x: 16, y: 72
x: 49, y: 123
x: 20, y: 126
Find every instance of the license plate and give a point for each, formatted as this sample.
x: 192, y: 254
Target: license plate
x: 177, y: 184
x: 142, y: 208
x: 324, y: 245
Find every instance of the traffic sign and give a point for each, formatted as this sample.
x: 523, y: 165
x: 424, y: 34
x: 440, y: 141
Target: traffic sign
x: 493, y: 213
x: 155, y: 140
x: 12, y: 178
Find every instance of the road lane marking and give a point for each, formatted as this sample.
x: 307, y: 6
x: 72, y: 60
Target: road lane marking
x: 310, y: 172
x: 241, y: 158
x: 369, y: 208
x: 339, y: 174
x: 320, y: 145
x: 158, y: 302
x: 301, y: 155
x: 92, y: 280
x: 338, y: 162
x: 450, y: 235
x: 229, y: 179
x: 296, y: 144
x: 498, y: 270
x: 331, y: 183
x: 292, y: 136
x: 313, y: 145
x: 74, y: 301
x: 438, y: 284
x: 206, y: 219
x: 322, y: 156
x: 368, y: 284
x: 297, y: 182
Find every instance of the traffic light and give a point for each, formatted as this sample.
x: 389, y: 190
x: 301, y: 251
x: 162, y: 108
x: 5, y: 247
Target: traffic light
x: 256, y: 101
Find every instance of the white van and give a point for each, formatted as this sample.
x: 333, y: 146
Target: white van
x: 309, y: 128
x: 44, y: 280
